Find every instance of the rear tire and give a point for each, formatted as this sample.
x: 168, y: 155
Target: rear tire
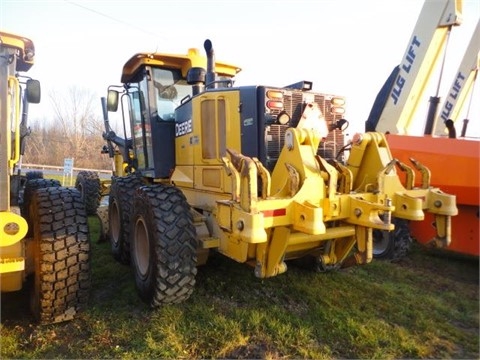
x: 61, y: 254
x: 120, y: 208
x: 88, y: 183
x: 392, y: 245
x: 164, y: 245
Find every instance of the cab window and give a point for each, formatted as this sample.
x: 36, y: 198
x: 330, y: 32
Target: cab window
x: 170, y: 89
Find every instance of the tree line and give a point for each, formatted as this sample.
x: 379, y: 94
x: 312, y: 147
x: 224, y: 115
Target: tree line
x: 74, y: 131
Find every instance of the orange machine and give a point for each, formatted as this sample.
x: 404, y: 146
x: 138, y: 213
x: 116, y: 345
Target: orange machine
x: 454, y: 165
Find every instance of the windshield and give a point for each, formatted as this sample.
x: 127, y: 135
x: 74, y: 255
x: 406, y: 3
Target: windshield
x: 170, y: 89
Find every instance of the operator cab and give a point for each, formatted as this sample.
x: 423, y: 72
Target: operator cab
x: 159, y: 88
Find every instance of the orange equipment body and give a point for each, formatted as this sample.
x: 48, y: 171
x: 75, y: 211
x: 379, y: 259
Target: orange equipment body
x: 455, y: 168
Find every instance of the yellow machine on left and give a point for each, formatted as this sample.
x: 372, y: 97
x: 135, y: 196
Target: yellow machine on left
x: 44, y: 238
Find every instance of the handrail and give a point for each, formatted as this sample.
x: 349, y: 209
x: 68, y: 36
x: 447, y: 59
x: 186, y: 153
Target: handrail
x: 60, y: 168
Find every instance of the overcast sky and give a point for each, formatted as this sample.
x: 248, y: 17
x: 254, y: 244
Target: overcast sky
x: 346, y: 47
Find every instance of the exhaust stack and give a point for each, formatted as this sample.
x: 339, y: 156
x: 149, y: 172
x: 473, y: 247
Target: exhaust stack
x: 210, y: 76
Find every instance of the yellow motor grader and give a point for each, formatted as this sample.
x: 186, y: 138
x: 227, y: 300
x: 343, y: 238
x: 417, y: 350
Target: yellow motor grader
x: 242, y: 171
x: 44, y: 239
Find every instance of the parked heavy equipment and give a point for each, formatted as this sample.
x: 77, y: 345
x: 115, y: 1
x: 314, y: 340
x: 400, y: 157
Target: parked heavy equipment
x: 446, y: 149
x: 44, y: 239
x: 240, y: 171
x: 463, y: 151
x: 395, y: 113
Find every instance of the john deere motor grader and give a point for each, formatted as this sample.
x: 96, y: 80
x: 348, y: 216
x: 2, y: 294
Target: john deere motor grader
x: 44, y: 241
x: 238, y: 170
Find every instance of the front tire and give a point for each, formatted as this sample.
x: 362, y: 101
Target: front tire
x: 61, y: 254
x: 31, y: 186
x: 120, y: 208
x: 392, y: 245
x: 164, y: 245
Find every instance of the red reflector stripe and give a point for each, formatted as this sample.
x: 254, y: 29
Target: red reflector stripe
x: 276, y: 212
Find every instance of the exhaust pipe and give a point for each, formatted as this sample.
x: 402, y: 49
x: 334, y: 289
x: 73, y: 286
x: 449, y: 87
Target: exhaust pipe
x: 210, y: 76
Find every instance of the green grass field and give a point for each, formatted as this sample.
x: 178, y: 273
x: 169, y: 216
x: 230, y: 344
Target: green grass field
x: 426, y: 306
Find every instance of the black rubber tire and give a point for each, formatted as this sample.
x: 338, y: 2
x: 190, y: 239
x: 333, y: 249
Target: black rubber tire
x: 35, y: 174
x: 120, y: 208
x: 164, y: 245
x: 17, y: 186
x: 31, y: 186
x: 61, y: 281
x: 392, y: 245
x: 88, y: 183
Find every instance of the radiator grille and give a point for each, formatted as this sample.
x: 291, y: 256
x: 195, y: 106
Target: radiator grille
x: 294, y: 103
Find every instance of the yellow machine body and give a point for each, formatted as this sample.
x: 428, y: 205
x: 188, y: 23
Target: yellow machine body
x: 16, y: 55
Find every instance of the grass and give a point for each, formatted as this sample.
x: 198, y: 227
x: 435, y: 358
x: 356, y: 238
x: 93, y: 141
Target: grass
x: 426, y: 306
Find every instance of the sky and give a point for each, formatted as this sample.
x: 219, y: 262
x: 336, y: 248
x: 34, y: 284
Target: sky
x: 345, y: 47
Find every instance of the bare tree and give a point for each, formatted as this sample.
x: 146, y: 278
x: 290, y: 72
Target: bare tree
x: 75, y: 131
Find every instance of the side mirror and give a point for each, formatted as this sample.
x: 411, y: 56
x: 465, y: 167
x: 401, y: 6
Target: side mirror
x: 33, y: 91
x: 112, y: 100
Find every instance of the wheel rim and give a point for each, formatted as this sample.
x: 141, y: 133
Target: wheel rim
x: 114, y: 221
x: 380, y: 242
x: 141, y: 247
